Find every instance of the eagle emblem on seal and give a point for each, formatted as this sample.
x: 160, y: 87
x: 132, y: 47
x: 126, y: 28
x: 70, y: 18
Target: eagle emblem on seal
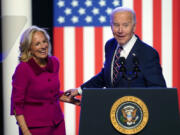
x: 129, y: 115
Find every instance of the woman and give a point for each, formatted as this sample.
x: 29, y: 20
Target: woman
x: 35, y: 94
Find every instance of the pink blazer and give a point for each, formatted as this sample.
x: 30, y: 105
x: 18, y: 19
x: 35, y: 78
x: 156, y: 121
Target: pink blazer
x: 35, y: 93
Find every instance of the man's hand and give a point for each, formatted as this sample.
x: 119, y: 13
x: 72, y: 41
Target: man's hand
x: 69, y: 99
x: 72, y: 92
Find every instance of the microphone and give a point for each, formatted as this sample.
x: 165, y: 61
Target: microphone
x: 135, y: 60
x: 122, y: 62
x: 136, y: 64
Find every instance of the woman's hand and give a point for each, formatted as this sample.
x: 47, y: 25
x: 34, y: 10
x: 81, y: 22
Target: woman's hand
x: 22, y: 124
x: 27, y: 132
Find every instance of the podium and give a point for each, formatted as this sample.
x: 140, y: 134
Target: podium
x: 97, y: 104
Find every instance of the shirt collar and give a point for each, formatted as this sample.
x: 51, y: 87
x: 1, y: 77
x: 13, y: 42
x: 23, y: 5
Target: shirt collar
x: 37, y: 69
x: 128, y: 46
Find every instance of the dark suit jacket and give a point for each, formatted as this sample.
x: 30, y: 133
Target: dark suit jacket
x: 150, y: 75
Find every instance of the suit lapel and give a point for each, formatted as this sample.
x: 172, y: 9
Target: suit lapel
x: 109, y: 60
x: 133, y: 52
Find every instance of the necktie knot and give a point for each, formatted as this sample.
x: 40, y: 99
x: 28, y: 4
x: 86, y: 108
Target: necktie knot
x: 119, y: 50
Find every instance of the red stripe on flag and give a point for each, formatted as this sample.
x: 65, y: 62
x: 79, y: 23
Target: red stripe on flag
x: 98, y: 49
x: 176, y: 46
x: 138, y: 11
x: 157, y: 15
x: 78, y: 66
x: 58, y: 51
x: 79, y: 55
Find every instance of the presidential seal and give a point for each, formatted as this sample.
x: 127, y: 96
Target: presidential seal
x: 129, y: 115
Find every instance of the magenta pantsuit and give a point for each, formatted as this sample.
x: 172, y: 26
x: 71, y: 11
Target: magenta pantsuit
x: 35, y: 95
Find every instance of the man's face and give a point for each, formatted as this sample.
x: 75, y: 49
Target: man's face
x: 123, y: 26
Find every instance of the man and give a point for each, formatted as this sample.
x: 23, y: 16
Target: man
x: 141, y: 67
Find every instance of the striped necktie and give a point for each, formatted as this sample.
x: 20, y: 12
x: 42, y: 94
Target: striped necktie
x: 116, y: 64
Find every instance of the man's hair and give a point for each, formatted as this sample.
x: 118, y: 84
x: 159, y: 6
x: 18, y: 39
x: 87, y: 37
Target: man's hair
x: 122, y: 9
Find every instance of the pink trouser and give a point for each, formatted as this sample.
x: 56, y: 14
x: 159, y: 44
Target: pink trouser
x: 58, y: 129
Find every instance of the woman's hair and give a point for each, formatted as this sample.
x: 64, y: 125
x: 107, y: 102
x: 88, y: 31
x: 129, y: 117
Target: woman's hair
x: 26, y: 41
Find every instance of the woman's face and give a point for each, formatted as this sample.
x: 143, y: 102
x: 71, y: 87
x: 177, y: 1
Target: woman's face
x: 39, y: 46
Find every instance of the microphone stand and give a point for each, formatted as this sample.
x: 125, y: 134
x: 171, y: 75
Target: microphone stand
x: 129, y: 76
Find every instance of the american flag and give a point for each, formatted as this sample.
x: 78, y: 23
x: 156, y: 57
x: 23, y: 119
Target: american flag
x: 81, y: 28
